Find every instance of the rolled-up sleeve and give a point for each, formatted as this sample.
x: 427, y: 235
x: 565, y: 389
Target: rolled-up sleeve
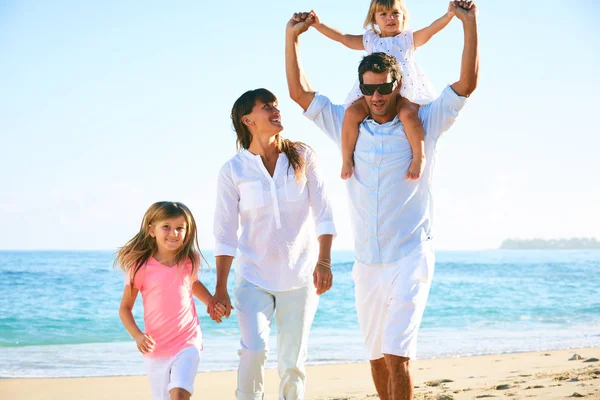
x: 317, y: 195
x: 439, y: 115
x: 226, y: 214
x: 327, y: 116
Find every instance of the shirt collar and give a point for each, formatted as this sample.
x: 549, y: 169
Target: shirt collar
x: 371, y: 121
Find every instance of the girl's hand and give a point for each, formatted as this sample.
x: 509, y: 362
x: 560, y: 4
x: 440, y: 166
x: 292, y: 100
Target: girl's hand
x: 220, y: 310
x: 211, y: 309
x: 145, y: 343
x: 322, y: 278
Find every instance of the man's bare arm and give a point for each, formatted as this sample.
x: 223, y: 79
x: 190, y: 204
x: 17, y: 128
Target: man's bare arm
x: 466, y: 12
x: 298, y: 86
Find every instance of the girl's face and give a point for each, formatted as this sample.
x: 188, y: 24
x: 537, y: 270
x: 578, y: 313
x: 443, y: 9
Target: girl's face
x: 264, y: 118
x: 169, y: 234
x: 389, y: 20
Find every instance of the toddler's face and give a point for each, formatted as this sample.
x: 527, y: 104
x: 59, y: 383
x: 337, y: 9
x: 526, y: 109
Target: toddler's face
x: 389, y: 21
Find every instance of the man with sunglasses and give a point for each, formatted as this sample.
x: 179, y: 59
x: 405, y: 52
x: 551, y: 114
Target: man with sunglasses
x: 391, y: 216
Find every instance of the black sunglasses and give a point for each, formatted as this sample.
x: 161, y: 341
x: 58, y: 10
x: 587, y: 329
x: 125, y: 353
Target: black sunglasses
x: 382, y: 88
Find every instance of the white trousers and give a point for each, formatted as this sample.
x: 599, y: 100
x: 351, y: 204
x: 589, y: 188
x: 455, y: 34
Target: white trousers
x: 295, y: 313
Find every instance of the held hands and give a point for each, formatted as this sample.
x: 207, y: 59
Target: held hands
x: 464, y: 10
x: 145, y: 343
x: 300, y: 22
x: 219, y: 306
x: 218, y: 311
x: 322, y: 277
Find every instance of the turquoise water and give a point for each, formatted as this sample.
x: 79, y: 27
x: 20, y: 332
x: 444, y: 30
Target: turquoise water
x: 59, y: 311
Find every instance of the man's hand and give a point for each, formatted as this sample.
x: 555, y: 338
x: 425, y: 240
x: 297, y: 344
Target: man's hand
x: 465, y: 10
x: 299, y: 23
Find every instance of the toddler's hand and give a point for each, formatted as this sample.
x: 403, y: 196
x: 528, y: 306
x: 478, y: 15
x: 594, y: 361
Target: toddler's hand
x: 145, y: 343
x: 315, y: 17
x: 450, y: 12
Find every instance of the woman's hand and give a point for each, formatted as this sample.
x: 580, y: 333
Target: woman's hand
x: 145, y: 343
x: 322, y: 278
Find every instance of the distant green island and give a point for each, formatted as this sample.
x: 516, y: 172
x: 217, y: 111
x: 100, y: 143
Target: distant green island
x: 557, y: 244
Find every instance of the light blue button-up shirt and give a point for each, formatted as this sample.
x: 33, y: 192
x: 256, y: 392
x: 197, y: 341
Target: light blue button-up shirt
x: 390, y: 215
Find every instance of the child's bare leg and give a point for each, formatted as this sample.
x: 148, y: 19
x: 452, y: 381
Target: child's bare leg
x: 409, y: 116
x: 354, y: 115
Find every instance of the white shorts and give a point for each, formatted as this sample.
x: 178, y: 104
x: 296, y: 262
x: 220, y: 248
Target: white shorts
x: 178, y: 371
x: 390, y: 301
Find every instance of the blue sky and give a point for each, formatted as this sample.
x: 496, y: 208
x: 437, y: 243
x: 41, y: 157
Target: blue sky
x: 106, y: 107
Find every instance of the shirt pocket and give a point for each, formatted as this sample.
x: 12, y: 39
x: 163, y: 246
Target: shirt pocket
x: 251, y: 195
x: 296, y: 190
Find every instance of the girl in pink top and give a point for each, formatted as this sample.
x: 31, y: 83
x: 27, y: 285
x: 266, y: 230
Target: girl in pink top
x: 162, y: 263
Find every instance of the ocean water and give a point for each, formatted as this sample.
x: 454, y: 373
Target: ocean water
x: 59, y: 311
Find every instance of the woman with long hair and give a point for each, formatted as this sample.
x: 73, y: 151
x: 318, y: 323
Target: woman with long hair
x: 273, y: 190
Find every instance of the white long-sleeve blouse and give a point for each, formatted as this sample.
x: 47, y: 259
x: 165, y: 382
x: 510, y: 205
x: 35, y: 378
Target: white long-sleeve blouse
x: 277, y: 238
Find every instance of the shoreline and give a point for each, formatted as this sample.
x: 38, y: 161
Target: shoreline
x: 134, y: 358
x: 541, y: 374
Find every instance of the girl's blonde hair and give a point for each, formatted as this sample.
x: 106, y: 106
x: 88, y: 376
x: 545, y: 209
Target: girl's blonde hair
x: 243, y: 106
x: 377, y: 5
x: 142, y: 246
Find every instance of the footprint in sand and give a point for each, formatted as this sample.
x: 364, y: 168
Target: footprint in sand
x: 438, y: 382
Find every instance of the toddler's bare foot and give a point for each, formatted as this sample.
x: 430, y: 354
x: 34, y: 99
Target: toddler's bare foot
x: 415, y: 170
x: 347, y: 168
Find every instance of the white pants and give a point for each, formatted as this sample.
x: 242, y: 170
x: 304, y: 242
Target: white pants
x: 390, y: 301
x: 295, y: 312
x: 178, y: 371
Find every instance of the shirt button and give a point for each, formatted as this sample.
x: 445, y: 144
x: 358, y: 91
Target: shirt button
x: 373, y: 188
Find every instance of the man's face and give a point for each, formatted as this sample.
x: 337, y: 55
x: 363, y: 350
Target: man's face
x: 382, y: 106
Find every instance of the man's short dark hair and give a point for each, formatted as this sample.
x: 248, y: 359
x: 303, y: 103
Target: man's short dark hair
x: 378, y: 63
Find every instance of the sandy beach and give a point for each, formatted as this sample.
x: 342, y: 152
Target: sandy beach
x: 541, y: 375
